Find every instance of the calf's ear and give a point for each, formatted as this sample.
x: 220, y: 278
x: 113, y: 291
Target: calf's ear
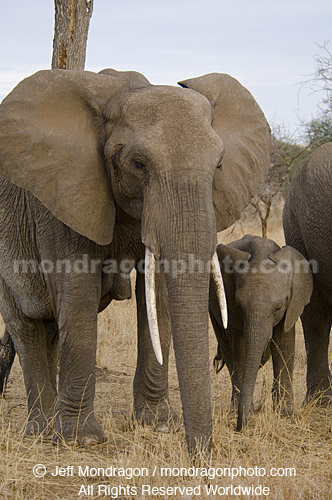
x: 229, y: 256
x: 292, y: 262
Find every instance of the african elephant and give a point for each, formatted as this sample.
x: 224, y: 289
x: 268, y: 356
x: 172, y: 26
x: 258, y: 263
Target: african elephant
x: 98, y: 169
x: 267, y: 288
x: 307, y: 219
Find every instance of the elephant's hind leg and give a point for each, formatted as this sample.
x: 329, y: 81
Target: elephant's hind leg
x: 7, y: 356
x: 30, y: 339
x: 316, y: 320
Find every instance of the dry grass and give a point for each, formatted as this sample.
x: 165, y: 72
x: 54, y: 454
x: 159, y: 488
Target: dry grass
x: 303, y: 442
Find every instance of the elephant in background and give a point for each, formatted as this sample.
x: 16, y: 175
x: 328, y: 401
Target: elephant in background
x: 307, y: 218
x: 104, y: 169
x: 267, y: 288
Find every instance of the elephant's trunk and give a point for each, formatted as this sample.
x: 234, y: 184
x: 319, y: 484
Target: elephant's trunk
x: 188, y: 303
x: 256, y: 336
x: 184, y: 238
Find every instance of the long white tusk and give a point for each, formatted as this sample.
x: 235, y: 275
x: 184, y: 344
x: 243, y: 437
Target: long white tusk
x: 220, y: 289
x: 151, y: 307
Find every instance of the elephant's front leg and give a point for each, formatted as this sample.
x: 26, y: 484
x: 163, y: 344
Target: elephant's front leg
x: 52, y: 340
x: 151, y: 402
x: 283, y: 350
x: 77, y: 302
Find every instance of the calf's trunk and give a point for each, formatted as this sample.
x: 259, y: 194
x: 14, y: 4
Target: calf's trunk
x: 257, y: 337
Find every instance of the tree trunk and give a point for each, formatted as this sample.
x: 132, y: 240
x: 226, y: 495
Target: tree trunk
x: 72, y: 18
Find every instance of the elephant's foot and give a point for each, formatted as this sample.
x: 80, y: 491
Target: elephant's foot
x: 235, y: 398
x: 284, y: 408
x: 86, y: 432
x: 34, y: 428
x: 38, y: 424
x: 161, y: 417
x: 283, y: 403
x: 283, y: 398
x: 321, y: 395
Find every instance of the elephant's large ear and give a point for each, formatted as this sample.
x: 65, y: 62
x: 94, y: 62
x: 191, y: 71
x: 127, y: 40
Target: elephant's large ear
x: 51, y: 144
x: 242, y: 126
x: 291, y: 261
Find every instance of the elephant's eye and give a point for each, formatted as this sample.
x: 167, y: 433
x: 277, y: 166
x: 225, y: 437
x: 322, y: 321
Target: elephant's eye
x: 219, y: 166
x: 277, y: 311
x: 139, y: 165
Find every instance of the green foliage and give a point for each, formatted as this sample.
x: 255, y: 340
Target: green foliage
x: 286, y: 156
x: 319, y: 130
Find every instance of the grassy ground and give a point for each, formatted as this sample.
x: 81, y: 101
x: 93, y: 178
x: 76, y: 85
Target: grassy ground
x: 302, y: 442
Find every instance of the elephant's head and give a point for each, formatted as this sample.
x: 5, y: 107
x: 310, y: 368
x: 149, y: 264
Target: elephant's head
x: 185, y: 161
x: 265, y: 286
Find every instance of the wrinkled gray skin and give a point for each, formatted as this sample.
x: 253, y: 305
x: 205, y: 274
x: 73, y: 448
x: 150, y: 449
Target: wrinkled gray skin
x: 307, y: 225
x: 95, y: 166
x: 264, y: 300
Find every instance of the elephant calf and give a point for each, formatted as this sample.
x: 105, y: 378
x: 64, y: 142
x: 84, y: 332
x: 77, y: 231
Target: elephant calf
x: 267, y: 288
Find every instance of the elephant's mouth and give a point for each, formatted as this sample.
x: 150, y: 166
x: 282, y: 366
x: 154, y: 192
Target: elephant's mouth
x: 150, y: 292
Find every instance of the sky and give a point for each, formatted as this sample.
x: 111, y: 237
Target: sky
x: 268, y: 45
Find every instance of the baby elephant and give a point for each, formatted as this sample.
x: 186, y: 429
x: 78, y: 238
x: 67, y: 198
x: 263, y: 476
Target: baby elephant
x: 267, y: 288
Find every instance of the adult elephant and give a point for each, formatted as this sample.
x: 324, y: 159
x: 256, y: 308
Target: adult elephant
x: 95, y: 167
x: 267, y: 288
x: 307, y: 220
